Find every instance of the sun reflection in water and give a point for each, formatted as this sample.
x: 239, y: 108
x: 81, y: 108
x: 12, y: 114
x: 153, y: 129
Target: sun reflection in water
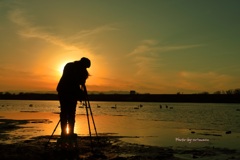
x: 67, y: 129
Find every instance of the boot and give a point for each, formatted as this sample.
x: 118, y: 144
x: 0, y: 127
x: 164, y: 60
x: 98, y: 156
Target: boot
x: 63, y: 129
x: 71, y: 128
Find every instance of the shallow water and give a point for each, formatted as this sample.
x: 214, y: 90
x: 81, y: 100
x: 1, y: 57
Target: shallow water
x: 180, y: 124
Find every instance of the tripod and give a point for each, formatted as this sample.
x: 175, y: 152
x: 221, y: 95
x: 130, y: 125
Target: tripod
x: 88, y: 109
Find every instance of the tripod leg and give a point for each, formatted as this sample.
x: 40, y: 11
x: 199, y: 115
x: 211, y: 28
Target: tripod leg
x: 89, y: 107
x: 88, y: 104
x: 52, y: 133
x: 92, y: 118
x: 89, y: 128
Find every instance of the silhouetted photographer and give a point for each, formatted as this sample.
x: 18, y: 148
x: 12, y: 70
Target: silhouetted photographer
x: 71, y: 88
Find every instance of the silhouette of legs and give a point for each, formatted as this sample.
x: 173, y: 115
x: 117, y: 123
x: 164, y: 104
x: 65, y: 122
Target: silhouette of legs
x: 67, y: 115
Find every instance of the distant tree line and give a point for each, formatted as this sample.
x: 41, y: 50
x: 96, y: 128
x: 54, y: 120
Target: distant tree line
x: 28, y: 96
x: 229, y: 92
x: 229, y: 96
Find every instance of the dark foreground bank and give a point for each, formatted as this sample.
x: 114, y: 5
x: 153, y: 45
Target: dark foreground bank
x: 108, y: 148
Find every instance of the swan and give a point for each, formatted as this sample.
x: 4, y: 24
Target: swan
x: 114, y: 107
x: 136, y: 107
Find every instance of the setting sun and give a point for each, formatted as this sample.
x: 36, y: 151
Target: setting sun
x: 61, y: 67
x: 62, y: 61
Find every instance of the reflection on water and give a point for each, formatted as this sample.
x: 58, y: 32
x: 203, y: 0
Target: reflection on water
x: 148, y: 124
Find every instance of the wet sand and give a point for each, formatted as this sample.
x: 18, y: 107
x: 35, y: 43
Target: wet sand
x: 19, y: 140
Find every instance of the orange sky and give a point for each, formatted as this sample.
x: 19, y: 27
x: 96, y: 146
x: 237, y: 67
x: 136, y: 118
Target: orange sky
x: 147, y: 46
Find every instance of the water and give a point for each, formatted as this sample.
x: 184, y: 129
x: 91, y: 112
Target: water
x: 181, y: 124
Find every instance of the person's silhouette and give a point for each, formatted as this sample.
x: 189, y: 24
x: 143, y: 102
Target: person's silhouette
x: 70, y: 90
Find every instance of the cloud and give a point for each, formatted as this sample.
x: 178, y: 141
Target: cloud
x: 149, y: 64
x: 14, y: 73
x: 147, y: 55
x: 28, y: 30
x: 73, y: 42
x: 144, y: 56
x: 90, y: 32
x: 204, y: 76
x: 203, y: 81
x: 147, y: 47
x: 14, y: 79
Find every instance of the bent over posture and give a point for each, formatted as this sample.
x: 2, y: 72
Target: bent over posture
x: 70, y: 90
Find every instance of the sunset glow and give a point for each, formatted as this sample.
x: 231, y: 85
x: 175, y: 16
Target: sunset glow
x: 151, y: 47
x: 61, y: 67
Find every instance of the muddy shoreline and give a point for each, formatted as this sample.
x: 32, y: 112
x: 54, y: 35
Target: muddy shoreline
x: 14, y: 145
x: 108, y: 147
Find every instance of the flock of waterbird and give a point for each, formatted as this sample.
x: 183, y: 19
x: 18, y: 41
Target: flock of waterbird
x: 113, y: 107
x: 137, y: 107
